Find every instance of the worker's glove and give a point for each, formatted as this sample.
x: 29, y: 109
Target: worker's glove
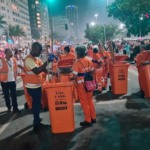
x: 51, y: 57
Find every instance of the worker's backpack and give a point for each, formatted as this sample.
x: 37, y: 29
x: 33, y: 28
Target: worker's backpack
x: 89, y: 82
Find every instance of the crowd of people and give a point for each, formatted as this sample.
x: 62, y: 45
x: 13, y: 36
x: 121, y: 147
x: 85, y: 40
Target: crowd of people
x: 94, y: 59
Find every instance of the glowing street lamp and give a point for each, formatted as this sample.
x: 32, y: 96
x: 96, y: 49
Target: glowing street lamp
x: 141, y: 18
x: 92, y: 23
x: 96, y: 15
x: 121, y: 26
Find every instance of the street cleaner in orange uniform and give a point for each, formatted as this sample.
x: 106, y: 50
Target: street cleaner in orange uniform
x: 105, y: 56
x: 67, y: 54
x: 89, y: 51
x: 85, y: 97
x: 98, y: 69
x: 33, y: 81
x: 142, y: 59
x: 8, y: 76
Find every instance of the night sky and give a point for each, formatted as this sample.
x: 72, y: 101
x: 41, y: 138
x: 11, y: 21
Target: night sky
x: 87, y: 9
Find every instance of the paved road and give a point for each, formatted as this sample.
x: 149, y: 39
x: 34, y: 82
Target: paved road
x: 123, y: 123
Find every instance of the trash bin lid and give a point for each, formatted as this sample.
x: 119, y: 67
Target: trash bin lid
x: 56, y: 85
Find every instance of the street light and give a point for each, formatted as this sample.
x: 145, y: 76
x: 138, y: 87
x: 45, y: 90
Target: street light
x: 96, y: 15
x: 121, y: 26
x: 107, y: 2
x: 104, y: 34
x: 92, y: 23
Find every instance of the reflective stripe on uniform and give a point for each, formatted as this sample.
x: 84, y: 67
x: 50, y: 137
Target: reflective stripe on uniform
x: 74, y: 72
x: 80, y: 81
x: 29, y: 72
x: 32, y: 85
x: 99, y: 69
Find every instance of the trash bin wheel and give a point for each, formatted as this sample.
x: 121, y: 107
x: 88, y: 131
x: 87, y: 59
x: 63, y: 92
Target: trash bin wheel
x: 26, y: 106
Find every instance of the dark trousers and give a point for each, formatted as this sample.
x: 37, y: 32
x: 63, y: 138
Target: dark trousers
x: 9, y: 89
x: 36, y: 95
x: 124, y: 52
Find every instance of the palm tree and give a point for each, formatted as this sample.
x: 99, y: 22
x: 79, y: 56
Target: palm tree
x: 15, y: 32
x: 2, y: 22
x: 19, y: 31
x: 11, y: 30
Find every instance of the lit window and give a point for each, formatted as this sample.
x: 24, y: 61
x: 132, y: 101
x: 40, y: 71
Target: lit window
x: 36, y: 2
x: 37, y: 14
x: 39, y: 26
x: 38, y: 18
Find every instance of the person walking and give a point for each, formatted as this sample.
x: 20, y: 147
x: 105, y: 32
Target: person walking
x: 85, y: 97
x: 8, y: 75
x: 33, y: 81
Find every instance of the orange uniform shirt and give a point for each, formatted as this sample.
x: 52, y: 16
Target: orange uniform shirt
x: 68, y: 56
x: 97, y: 56
x: 86, y: 66
x: 141, y: 57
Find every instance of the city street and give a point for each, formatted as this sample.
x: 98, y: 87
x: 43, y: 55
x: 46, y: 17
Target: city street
x: 123, y: 123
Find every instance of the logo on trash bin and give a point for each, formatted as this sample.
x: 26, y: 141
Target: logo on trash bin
x: 60, y: 101
x: 121, y: 74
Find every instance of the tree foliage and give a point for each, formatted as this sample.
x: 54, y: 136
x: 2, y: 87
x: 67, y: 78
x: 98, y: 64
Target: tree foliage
x: 2, y: 22
x: 132, y: 14
x: 100, y: 32
x: 16, y: 31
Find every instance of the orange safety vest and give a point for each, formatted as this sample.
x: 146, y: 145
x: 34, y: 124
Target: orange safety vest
x: 68, y: 56
x: 97, y: 57
x: 141, y: 57
x: 82, y: 66
x: 30, y: 77
x: 4, y: 70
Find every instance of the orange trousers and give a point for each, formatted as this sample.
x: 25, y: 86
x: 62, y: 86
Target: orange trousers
x: 98, y: 78
x: 105, y: 73
x: 87, y: 103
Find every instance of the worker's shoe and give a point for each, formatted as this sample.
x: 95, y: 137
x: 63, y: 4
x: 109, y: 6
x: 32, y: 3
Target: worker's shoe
x: 93, y: 120
x: 85, y: 124
x: 16, y: 111
x: 41, y: 127
x: 41, y: 119
x: 9, y: 109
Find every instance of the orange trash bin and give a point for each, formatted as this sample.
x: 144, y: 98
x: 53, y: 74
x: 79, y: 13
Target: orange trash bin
x: 119, y: 78
x: 146, y: 82
x: 120, y: 57
x: 61, y: 109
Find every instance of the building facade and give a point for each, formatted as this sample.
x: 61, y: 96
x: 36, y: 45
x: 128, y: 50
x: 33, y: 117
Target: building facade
x: 16, y: 12
x: 62, y: 29
x: 72, y: 16
x: 39, y: 19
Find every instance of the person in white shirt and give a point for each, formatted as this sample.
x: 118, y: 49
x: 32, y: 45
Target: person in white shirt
x: 8, y: 74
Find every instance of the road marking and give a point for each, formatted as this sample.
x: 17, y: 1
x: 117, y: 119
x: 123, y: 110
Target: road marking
x: 20, y: 85
x: 2, y: 129
x: 133, y: 72
x: 2, y: 109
